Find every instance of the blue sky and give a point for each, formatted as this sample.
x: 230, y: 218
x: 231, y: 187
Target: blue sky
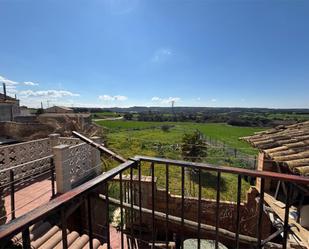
x: 246, y: 53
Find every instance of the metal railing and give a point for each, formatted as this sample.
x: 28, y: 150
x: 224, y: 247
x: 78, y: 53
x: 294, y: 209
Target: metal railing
x: 134, y: 213
x: 19, y: 176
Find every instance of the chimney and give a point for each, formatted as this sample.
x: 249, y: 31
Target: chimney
x: 4, y: 90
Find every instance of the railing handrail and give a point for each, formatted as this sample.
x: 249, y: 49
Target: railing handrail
x: 227, y: 169
x: 25, y: 221
x: 24, y: 164
x: 23, y: 143
x: 20, y: 223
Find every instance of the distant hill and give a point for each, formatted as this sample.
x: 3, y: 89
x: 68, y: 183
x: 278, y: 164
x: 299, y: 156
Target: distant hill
x: 179, y: 109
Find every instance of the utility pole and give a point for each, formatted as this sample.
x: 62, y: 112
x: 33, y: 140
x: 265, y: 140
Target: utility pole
x: 173, y: 111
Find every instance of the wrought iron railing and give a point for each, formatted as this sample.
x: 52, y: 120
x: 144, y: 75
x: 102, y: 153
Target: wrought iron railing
x: 16, y: 177
x: 135, y: 212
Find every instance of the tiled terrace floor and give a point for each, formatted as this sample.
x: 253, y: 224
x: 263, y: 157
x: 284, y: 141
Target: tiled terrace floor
x: 29, y: 198
x: 39, y: 193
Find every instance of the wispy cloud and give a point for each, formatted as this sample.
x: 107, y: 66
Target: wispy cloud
x: 48, y: 93
x: 213, y: 100
x: 32, y: 98
x: 161, y: 55
x: 113, y: 98
x: 30, y: 83
x: 168, y: 100
x: 7, y: 81
x: 10, y: 85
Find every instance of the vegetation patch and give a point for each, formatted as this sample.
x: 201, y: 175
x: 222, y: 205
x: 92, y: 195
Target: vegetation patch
x: 130, y: 138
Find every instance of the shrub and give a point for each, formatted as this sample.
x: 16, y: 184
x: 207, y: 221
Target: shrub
x: 193, y: 146
x: 166, y: 128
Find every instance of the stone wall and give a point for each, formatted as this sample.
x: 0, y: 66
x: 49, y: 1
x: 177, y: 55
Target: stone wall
x: 26, y: 119
x: 227, y: 213
x: 24, y: 131
x: 25, y: 128
x: 5, y: 112
x: 8, y: 110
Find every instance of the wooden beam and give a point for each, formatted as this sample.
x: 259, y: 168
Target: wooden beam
x: 100, y: 147
x: 301, y: 232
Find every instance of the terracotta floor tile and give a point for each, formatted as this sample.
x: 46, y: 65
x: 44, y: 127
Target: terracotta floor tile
x: 29, y: 197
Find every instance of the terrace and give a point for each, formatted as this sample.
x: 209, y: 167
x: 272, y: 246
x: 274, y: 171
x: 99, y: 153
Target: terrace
x: 83, y: 203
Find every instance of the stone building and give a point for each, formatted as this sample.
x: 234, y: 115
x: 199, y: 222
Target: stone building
x: 9, y: 107
x: 58, y: 109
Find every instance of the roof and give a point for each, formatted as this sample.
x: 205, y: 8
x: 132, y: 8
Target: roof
x: 288, y: 145
x: 61, y: 107
x: 85, y: 115
x: 7, y: 97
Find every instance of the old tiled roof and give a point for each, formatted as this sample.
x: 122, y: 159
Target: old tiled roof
x: 286, y: 144
x: 45, y: 236
x: 2, y: 97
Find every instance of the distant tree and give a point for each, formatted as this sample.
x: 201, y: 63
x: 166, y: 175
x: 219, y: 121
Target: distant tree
x: 128, y: 116
x: 165, y: 128
x: 193, y: 149
x: 40, y: 111
x: 193, y: 146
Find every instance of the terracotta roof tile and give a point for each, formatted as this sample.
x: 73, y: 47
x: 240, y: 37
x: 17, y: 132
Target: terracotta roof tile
x: 286, y: 144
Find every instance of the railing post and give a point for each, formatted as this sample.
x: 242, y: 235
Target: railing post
x: 182, y: 204
x: 166, y: 204
x: 260, y: 214
x: 64, y: 229
x: 121, y: 209
x: 218, y: 209
x: 89, y: 210
x: 62, y: 168
x: 12, y: 187
x: 107, y: 217
x: 52, y: 177
x: 26, y: 238
x: 286, y: 215
x: 96, y: 156
x: 54, y: 139
x: 153, y: 203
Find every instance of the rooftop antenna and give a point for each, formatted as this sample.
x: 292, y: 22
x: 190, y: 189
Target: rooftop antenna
x: 41, y: 105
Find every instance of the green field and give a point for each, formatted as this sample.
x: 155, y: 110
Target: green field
x: 101, y: 115
x: 130, y: 138
x: 151, y: 132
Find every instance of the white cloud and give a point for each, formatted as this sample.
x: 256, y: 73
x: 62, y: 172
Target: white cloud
x: 113, y: 98
x: 120, y: 97
x: 105, y: 97
x: 48, y: 93
x: 155, y: 99
x: 7, y: 81
x: 10, y: 85
x: 161, y: 54
x: 30, y: 83
x: 165, y: 100
x: 213, y: 100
